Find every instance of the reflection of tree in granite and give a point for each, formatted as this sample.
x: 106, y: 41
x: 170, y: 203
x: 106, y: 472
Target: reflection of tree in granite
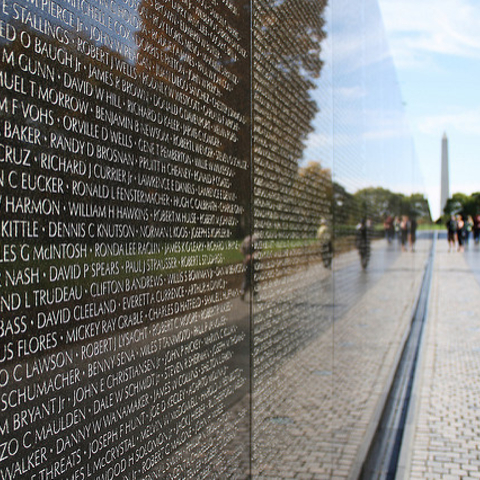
x: 379, y: 202
x: 286, y: 47
x: 205, y: 70
x: 287, y: 39
x: 376, y: 203
x: 289, y: 204
x: 343, y: 204
x: 200, y: 58
x: 287, y: 43
x: 281, y: 259
x: 316, y: 183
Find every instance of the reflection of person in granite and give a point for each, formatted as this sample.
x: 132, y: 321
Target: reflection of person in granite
x: 247, y: 248
x: 404, y: 232
x: 413, y: 233
x: 324, y: 235
x: 389, y: 228
x: 362, y: 240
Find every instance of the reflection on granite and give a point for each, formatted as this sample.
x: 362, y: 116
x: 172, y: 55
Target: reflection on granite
x: 181, y: 189
x: 326, y: 398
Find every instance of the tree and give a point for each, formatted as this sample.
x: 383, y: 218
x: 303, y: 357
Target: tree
x: 460, y: 203
x: 418, y: 207
x: 377, y: 203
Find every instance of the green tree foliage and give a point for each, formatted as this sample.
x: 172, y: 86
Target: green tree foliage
x: 460, y: 203
x: 344, y: 205
x: 377, y: 203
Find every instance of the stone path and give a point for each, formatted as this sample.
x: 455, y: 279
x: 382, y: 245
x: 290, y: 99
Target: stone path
x: 442, y: 440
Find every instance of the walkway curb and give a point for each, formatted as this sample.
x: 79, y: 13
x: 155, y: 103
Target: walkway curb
x: 405, y: 457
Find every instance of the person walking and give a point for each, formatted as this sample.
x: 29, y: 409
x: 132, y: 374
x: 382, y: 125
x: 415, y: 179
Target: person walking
x: 468, y: 228
x: 404, y: 231
x: 413, y: 233
x: 362, y: 241
x: 460, y: 232
x: 476, y: 228
x: 451, y: 232
x: 324, y: 236
x: 247, y: 249
x: 389, y: 228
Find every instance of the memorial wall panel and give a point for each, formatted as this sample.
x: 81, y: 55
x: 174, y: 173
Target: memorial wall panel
x: 325, y: 335
x: 125, y: 170
x: 181, y: 188
x: 291, y: 202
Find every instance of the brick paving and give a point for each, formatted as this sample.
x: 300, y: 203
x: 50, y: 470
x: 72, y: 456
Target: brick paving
x: 443, y: 437
x: 315, y: 418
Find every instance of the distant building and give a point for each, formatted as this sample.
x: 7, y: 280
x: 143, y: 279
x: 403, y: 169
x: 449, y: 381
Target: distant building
x: 445, y: 181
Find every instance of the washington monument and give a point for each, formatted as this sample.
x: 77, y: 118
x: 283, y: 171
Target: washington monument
x: 444, y: 190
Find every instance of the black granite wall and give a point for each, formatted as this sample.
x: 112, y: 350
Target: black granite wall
x: 178, y: 181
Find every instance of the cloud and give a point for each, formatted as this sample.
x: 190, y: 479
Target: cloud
x: 353, y: 42
x: 465, y: 121
x: 422, y: 28
x: 319, y: 140
x: 355, y: 92
x: 386, y: 134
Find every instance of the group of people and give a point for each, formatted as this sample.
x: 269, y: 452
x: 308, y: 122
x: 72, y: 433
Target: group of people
x: 459, y: 229
x: 404, y: 227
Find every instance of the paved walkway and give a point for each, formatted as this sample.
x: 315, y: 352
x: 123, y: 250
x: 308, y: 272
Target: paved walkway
x: 442, y: 440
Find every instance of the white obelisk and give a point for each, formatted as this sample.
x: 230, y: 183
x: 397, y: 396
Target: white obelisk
x: 444, y: 186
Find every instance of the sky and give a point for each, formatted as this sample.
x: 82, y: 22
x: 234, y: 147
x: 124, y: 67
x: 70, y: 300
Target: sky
x: 435, y: 46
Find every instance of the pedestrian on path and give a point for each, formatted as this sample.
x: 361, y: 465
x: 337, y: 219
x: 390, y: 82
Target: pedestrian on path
x: 468, y: 228
x: 389, y: 228
x: 460, y: 232
x: 451, y: 232
x: 476, y: 229
x: 324, y: 236
x: 413, y: 233
x: 247, y: 249
x: 404, y: 231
